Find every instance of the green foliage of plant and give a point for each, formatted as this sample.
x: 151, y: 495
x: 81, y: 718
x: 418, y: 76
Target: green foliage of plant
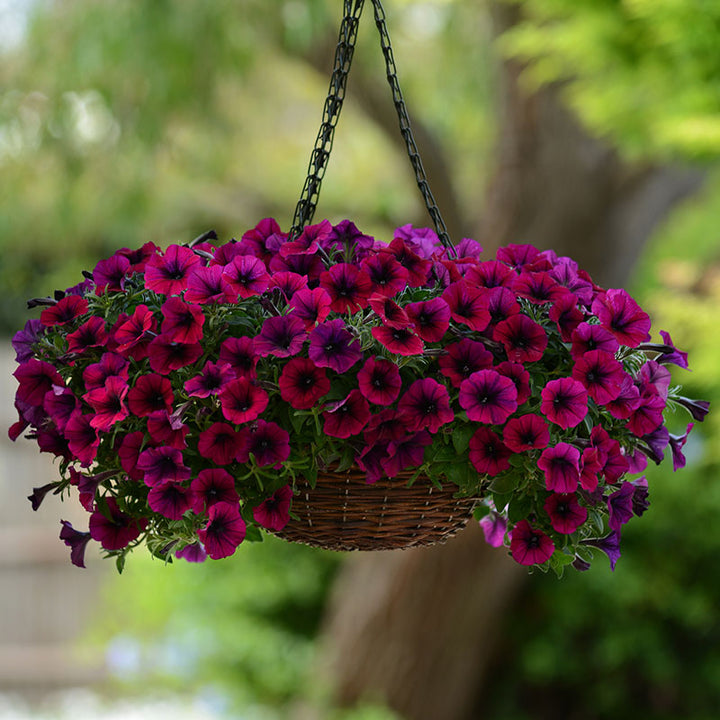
x: 644, y: 72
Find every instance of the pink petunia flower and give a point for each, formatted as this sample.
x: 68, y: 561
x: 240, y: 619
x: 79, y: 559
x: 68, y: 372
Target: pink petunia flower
x: 212, y: 486
x: 242, y: 401
x: 564, y: 402
x: 488, y: 397
x: 267, y: 441
x: 379, y: 381
x: 274, y: 512
x: 523, y: 339
x: 561, y: 465
x: 302, y: 383
x: 220, y: 443
x: 116, y: 531
x: 565, y: 512
x: 426, y: 405
x: 347, y: 417
x: 529, y: 546
x: 224, y: 532
x: 488, y: 454
x: 167, y: 274
x: 182, y: 322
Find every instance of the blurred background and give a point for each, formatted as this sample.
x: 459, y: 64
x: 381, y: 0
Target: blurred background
x: 588, y: 126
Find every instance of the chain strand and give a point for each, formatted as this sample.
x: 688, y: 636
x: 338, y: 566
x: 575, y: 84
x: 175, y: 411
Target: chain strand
x: 305, y: 209
x: 344, y: 51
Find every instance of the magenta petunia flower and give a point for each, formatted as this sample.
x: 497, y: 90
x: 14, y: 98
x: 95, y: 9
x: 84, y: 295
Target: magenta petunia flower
x: 306, y: 263
x: 523, y: 339
x: 59, y: 404
x: 167, y: 274
x: 488, y: 454
x: 211, y: 380
x: 670, y: 354
x: 389, y: 312
x: 519, y: 375
x: 379, y: 381
x: 169, y: 499
x: 77, y: 542
x: 64, y: 311
x: 110, y: 365
x: 281, y: 336
x: 627, y: 401
x: 207, y: 285
x: 333, y: 346
x: 527, y: 432
x: 648, y: 416
x: 462, y: 359
x: 601, y: 374
x: 129, y: 451
x: 622, y: 316
x: 247, y: 276
x: 491, y: 274
x: 23, y: 340
x: 426, y: 405
x: 590, y: 467
x: 116, y: 531
x: 588, y: 337
x: 502, y: 304
x: 224, y: 532
x: 109, y: 275
x: 561, y: 465
x: 242, y: 401
x: 566, y: 314
x: 564, y: 402
x: 82, y: 438
x: 620, y: 506
x: 537, y: 287
x: 274, y: 512
x: 267, y: 441
x: 135, y: 332
x: 255, y: 241
x: 288, y: 283
x: 212, y: 486
x: 220, y: 443
x: 655, y: 378
x: 566, y: 513
x: 347, y: 417
x: 36, y: 378
x: 401, y: 341
x: 488, y: 397
x: 311, y: 306
x: 529, y: 546
x: 166, y: 429
x: 150, y: 393
x: 302, y: 383
x: 108, y: 402
x: 162, y: 464
x: 431, y: 318
x: 494, y: 527
x: 167, y: 355
x: 239, y: 353
x: 182, y: 322
x: 91, y: 333
x: 388, y: 425
x: 418, y: 268
x: 349, y: 288
x: 468, y: 304
x: 677, y: 442
x: 387, y: 275
x: 610, y: 545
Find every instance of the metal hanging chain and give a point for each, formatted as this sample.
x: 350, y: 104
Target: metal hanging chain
x: 406, y: 130
x: 307, y: 204
x: 305, y: 208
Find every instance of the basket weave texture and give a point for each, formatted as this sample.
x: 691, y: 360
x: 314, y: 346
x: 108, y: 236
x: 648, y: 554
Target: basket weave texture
x: 343, y: 512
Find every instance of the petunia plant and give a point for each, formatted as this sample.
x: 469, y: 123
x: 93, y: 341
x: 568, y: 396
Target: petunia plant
x: 186, y: 392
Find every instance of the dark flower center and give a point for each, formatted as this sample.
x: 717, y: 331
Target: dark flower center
x: 533, y: 541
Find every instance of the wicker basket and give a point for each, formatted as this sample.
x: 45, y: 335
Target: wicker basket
x: 343, y: 512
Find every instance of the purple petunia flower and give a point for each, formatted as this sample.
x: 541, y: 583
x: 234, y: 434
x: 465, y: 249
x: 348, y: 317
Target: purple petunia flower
x: 77, y: 542
x: 24, y: 339
x: 640, y: 502
x: 150, y: 393
x: 169, y: 499
x: 267, y: 441
x: 219, y: 443
x: 468, y: 304
x: 109, y: 275
x: 166, y: 429
x: 81, y: 437
x: 462, y: 359
x: 247, y: 276
x: 430, y: 317
x: 194, y: 553
x: 408, y: 451
x: 677, y: 442
x: 610, y: 545
x: 622, y: 316
x: 162, y: 464
x: 588, y: 337
x: 426, y: 404
x: 207, y: 285
x: 620, y: 506
x: 494, y: 527
x: 240, y: 354
x: 281, y: 336
x: 182, y: 321
x: 333, y: 346
x: 211, y: 380
x: 108, y: 402
x: 311, y: 306
x: 529, y: 546
x: 564, y: 402
x: 166, y: 355
x: 561, y: 465
x: 527, y: 432
x: 488, y: 397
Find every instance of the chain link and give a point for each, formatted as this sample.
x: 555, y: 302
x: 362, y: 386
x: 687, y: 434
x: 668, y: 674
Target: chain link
x: 307, y: 204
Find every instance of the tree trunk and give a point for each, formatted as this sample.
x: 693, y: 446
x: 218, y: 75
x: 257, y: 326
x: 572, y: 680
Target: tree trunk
x: 417, y: 629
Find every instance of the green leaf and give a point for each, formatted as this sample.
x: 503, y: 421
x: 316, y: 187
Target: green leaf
x: 253, y: 534
x: 461, y: 438
x: 504, y: 484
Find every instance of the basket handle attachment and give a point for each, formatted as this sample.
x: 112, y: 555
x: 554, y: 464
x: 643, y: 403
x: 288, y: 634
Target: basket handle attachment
x: 305, y: 209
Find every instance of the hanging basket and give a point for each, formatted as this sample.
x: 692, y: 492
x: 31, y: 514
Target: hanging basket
x: 189, y: 392
x: 344, y: 512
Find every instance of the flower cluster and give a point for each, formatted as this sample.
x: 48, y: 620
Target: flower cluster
x: 185, y: 390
